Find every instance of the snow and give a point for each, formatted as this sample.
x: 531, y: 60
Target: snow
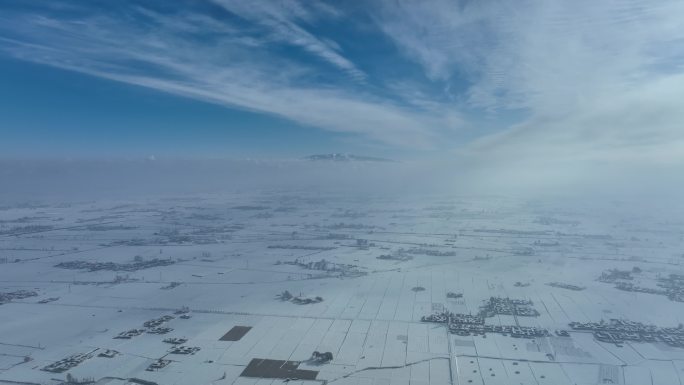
x: 228, y: 276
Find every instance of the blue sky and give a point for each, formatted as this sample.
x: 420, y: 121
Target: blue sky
x: 53, y: 112
x: 503, y: 80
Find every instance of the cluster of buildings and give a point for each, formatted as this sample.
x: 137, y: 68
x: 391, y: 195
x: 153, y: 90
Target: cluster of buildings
x: 566, y: 286
x: 301, y: 247
x: 201, y: 236
x: 158, y: 364
x: 350, y: 226
x: 171, y: 285
x: 396, y: 257
x: 108, y: 353
x: 508, y: 306
x: 156, y: 326
x: 466, y: 324
x: 175, y: 341
x: 618, y: 331
x: 67, y: 363
x: 299, y: 300
x: 671, y: 286
x: 321, y: 358
x: 113, y: 266
x: 128, y: 334
x: 615, y: 275
x: 430, y: 252
x: 546, y: 243
x: 160, y: 330
x: 153, y: 323
x: 25, y: 229
x: 184, y: 349
x: 305, y: 300
x: 628, y: 286
x: 674, y: 286
x: 512, y: 330
x: 454, y: 318
x: 19, y: 294
x: 48, y: 300
x: 346, y: 270
x: 153, y: 326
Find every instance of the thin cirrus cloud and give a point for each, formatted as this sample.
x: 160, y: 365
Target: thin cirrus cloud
x: 227, y: 61
x: 553, y: 80
x: 281, y: 19
x: 596, y: 80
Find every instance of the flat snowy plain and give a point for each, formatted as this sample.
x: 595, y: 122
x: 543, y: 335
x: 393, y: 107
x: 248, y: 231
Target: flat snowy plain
x: 222, y: 260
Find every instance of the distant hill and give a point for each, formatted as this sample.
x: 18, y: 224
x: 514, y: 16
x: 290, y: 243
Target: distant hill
x: 345, y: 158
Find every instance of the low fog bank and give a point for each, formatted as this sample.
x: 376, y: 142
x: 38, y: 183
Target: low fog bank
x: 71, y: 180
x: 75, y: 180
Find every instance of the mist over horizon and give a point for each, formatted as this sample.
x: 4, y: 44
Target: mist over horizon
x: 93, y: 179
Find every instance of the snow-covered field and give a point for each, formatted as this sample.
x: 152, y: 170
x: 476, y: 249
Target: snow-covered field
x: 214, y: 262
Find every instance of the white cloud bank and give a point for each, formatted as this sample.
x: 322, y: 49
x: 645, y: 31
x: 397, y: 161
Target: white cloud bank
x: 601, y: 81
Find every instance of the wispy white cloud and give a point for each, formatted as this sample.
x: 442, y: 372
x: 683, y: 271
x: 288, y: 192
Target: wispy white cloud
x: 232, y: 66
x: 518, y: 54
x: 599, y: 81
x: 283, y: 18
x: 588, y: 81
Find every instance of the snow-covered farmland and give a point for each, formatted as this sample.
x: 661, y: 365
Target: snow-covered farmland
x: 301, y: 272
